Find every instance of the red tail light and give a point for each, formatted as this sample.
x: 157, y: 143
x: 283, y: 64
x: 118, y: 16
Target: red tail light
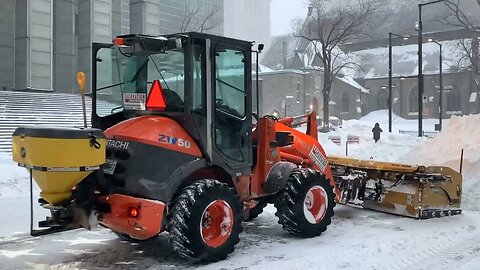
x: 133, y: 212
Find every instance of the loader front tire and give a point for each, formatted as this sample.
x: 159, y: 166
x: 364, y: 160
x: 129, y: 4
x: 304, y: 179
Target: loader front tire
x: 305, y: 206
x: 256, y: 210
x: 205, y: 221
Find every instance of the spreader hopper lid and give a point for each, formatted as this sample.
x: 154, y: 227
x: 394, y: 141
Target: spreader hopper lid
x: 58, y: 133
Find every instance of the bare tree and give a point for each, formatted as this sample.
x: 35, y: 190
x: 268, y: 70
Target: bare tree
x: 457, y: 17
x: 195, y: 21
x: 329, y: 26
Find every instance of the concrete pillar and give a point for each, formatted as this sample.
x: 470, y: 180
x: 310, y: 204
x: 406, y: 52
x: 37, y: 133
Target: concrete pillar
x: 64, y: 79
x: 94, y: 25
x: 7, y: 44
x: 34, y: 45
x: 116, y: 17
x: 125, y: 15
x: 145, y: 17
x: 120, y: 17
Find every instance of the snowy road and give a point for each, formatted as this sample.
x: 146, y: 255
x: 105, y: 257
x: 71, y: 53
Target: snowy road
x: 19, y: 214
x: 357, y: 239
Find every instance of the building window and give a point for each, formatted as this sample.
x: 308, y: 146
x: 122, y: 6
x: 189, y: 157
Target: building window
x: 413, y: 101
x: 382, y: 100
x: 454, y: 101
x: 345, y: 103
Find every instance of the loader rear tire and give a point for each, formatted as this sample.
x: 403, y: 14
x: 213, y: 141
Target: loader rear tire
x: 305, y: 206
x: 205, y: 221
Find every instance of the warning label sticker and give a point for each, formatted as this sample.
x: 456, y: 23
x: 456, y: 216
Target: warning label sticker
x: 134, y: 101
x: 318, y: 158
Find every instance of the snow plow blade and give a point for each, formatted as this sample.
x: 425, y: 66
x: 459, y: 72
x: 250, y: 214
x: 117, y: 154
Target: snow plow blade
x: 413, y: 191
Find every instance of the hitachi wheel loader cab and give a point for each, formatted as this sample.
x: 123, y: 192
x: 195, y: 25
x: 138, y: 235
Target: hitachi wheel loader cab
x: 161, y: 122
x: 174, y: 148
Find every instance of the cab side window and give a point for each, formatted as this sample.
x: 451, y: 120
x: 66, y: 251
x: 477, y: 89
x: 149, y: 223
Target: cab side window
x: 230, y: 81
x: 230, y: 85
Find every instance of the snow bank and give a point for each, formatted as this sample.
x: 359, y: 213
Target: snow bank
x: 445, y: 150
x: 392, y: 147
x: 460, y: 133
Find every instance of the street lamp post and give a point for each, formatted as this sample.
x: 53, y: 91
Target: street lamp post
x: 390, y: 77
x: 420, y: 65
x: 440, y: 104
x: 441, y: 89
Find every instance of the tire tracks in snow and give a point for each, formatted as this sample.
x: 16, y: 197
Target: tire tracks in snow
x: 453, y: 252
x: 7, y: 241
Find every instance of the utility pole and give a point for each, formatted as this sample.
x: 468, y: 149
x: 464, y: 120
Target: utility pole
x: 420, y: 72
x: 390, y: 82
x: 390, y: 86
x: 420, y: 65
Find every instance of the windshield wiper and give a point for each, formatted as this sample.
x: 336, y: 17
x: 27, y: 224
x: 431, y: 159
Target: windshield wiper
x: 232, y: 86
x: 109, y: 86
x: 130, y: 81
x: 140, y: 69
x: 159, y: 72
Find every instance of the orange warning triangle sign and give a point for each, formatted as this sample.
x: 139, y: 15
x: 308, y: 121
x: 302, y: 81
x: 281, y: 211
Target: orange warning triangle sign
x: 156, y: 99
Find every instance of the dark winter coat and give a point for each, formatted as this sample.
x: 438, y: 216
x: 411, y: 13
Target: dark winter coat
x: 376, y: 132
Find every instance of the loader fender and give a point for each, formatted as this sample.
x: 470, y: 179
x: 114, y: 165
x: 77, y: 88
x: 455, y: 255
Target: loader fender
x: 178, y: 176
x: 278, y: 176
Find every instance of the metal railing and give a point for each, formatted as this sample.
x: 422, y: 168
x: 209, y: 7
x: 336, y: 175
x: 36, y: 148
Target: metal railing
x: 33, y: 108
x: 428, y: 134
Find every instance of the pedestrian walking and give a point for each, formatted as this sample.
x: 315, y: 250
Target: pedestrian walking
x: 376, y: 132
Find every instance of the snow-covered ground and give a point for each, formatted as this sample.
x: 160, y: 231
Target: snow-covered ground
x: 357, y: 239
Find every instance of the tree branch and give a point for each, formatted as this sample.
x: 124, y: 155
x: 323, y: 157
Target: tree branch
x: 327, y: 28
x: 194, y: 21
x: 457, y: 17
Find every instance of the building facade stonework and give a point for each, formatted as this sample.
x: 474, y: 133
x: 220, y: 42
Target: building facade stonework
x: 43, y: 43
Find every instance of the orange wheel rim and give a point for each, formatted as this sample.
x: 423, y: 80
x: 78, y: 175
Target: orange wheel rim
x: 217, y: 223
x: 315, y: 204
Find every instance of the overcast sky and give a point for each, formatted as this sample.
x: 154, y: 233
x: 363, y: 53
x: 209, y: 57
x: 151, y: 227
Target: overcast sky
x: 282, y: 14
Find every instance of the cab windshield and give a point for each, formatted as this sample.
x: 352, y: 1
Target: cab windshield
x: 124, y: 79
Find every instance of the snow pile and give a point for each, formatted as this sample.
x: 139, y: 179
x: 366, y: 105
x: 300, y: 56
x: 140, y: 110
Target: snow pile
x: 460, y: 133
x: 392, y: 147
x: 445, y: 150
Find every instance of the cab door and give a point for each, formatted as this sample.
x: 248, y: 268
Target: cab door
x: 232, y: 109
x: 107, y: 109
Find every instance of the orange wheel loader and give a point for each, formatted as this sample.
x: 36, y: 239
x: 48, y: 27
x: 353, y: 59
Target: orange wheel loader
x: 174, y: 147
